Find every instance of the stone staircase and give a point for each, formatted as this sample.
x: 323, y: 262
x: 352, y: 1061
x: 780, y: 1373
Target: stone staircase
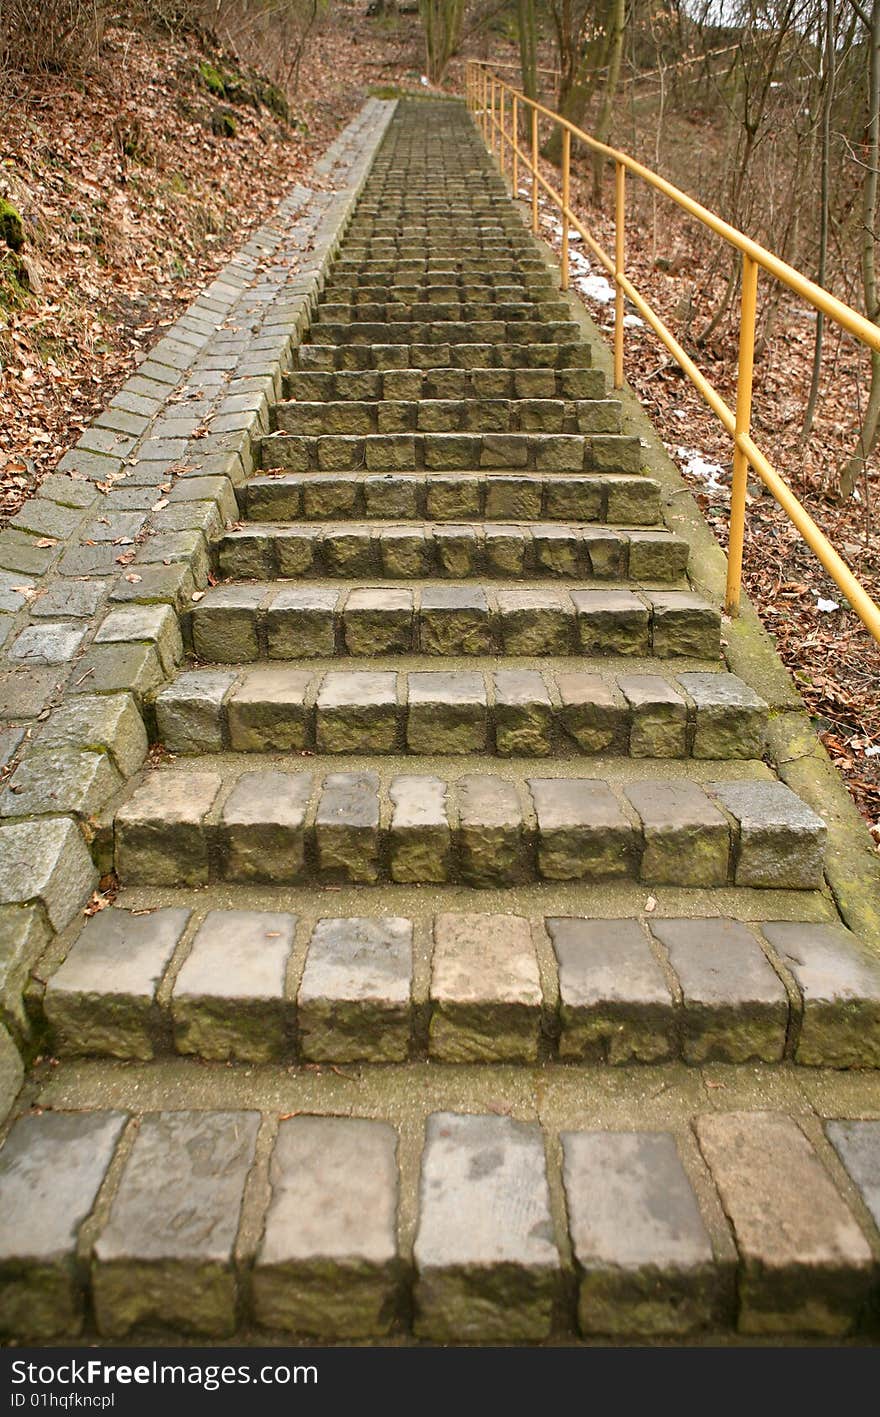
x: 463, y: 849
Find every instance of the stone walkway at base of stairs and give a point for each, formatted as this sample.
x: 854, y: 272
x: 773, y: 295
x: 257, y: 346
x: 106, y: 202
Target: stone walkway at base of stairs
x: 473, y: 977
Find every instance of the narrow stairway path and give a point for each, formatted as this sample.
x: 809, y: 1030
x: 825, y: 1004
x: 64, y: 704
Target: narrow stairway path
x: 463, y: 852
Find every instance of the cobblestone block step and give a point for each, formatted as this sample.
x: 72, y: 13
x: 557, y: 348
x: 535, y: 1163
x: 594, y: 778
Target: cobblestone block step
x: 453, y: 310
x: 449, y: 332
x: 452, y: 415
x: 512, y: 712
x: 264, y: 986
x: 733, y: 1221
x: 615, y: 499
x: 401, y: 452
x: 417, y: 384
x: 186, y: 827
x: 475, y: 354
x: 238, y: 623
x: 522, y: 268
x: 364, y: 287
x: 490, y: 549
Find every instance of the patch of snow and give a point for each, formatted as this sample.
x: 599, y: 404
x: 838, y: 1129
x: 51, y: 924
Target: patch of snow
x: 695, y: 465
x: 596, y: 288
x: 873, y: 751
x: 679, y: 413
x: 826, y: 605
x: 632, y: 322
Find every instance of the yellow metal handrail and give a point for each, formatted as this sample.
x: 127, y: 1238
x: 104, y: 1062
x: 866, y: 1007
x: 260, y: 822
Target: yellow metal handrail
x: 486, y: 94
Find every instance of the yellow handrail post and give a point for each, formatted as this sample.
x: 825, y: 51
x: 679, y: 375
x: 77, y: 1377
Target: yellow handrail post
x: 514, y: 122
x: 485, y: 108
x: 534, y: 169
x: 619, y: 256
x: 502, y: 136
x: 748, y: 308
x: 566, y: 205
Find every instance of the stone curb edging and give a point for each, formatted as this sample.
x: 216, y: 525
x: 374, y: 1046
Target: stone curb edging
x: 95, y: 569
x: 852, y: 866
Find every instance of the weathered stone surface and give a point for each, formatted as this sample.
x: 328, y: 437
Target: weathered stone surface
x: 454, y: 620
x: 523, y: 714
x: 781, y: 840
x: 109, y: 723
x: 357, y: 712
x: 267, y: 711
x: 805, y: 1266
x: 50, y: 1170
x: 839, y: 981
x: 658, y: 727
x: 24, y: 934
x: 420, y: 839
x: 643, y: 1254
x: 262, y: 826
x: 155, y: 624
x: 582, y: 831
x: 46, y: 862
x: 535, y: 622
x: 354, y: 999
x: 188, y: 712
x: 328, y: 1263
x: 378, y: 622
x: 347, y: 827
x: 687, y: 839
x: 224, y: 624
x: 11, y: 1071
x: 61, y: 779
x: 160, y: 832
x: 735, y: 1005
x: 300, y: 623
x: 615, y: 1004
x: 684, y: 625
x: 485, y: 990
x: 166, y: 1261
x: 102, y: 999
x: 858, y: 1146
x: 487, y: 1267
x: 611, y: 622
x: 731, y: 719
x: 228, y: 999
x: 47, y: 643
x: 446, y: 713
x: 491, y: 831
x: 591, y: 713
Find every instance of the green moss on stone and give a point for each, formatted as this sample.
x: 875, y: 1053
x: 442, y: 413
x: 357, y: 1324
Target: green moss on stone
x: 11, y: 225
x: 212, y: 79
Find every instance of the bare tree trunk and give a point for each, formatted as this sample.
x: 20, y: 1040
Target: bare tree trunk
x: 442, y: 21
x: 528, y: 46
x: 829, y: 76
x: 603, y: 123
x: 867, y: 438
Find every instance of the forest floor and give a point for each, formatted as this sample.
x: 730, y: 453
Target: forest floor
x: 132, y: 201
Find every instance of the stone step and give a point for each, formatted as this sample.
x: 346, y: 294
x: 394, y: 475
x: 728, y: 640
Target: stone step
x: 618, y: 500
x: 239, y: 623
x: 329, y: 386
x: 488, y: 331
x: 449, y: 415
x: 450, y: 311
x: 264, y: 986
x: 451, y: 452
x: 359, y: 288
x: 521, y: 266
x: 459, y: 1227
x: 490, y: 549
x: 493, y: 827
x: 561, y: 712
x: 475, y: 354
